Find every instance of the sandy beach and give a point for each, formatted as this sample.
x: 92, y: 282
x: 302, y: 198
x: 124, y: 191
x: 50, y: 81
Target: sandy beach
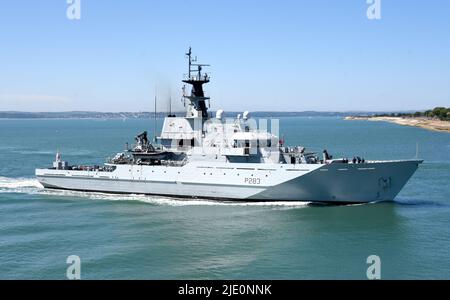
x: 430, y: 124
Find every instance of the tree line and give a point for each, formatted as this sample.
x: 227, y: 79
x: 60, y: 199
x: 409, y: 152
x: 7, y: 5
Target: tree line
x: 441, y: 113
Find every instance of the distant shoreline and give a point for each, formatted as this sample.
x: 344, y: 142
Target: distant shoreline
x: 422, y: 122
x: 150, y: 115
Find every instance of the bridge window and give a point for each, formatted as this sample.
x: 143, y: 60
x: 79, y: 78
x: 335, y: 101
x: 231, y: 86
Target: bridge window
x: 184, y: 143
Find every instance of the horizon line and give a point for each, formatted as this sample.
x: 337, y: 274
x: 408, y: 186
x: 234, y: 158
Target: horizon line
x: 254, y: 111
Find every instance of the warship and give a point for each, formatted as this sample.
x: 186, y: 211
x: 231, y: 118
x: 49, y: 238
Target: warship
x: 205, y: 155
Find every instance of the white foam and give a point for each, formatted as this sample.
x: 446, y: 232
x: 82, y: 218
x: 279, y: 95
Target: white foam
x: 32, y: 186
x: 35, y: 152
x: 158, y: 200
x: 14, y: 183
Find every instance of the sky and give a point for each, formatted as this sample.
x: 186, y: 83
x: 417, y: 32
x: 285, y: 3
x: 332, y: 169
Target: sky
x: 323, y: 55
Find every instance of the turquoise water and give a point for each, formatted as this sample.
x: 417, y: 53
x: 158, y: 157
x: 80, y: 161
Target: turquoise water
x: 142, y: 237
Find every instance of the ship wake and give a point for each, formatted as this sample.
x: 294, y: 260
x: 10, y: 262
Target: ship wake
x: 32, y: 186
x: 14, y: 185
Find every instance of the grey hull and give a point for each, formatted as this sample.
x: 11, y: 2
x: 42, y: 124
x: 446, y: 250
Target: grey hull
x: 343, y: 183
x: 352, y: 183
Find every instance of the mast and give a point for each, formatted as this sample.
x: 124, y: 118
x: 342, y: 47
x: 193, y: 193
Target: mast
x: 196, y: 78
x: 154, y: 119
x: 170, y: 104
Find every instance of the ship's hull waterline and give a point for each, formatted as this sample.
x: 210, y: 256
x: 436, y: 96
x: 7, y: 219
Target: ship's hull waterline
x: 333, y: 183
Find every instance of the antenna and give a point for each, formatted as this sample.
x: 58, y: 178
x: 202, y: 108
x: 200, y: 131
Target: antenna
x: 154, y: 125
x: 170, y: 102
x: 189, y: 54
